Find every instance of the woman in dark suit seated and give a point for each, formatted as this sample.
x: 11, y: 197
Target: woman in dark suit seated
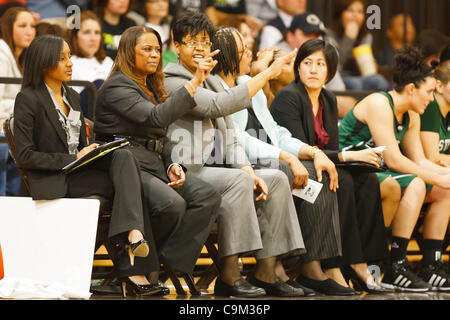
x: 309, y: 112
x: 133, y: 103
x: 49, y: 133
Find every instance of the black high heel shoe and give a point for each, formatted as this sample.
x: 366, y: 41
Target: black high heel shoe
x: 350, y: 274
x: 137, y: 249
x: 129, y: 287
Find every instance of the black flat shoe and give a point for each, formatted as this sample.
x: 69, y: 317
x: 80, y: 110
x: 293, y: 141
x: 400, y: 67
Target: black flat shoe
x: 133, y: 289
x: 328, y: 287
x: 359, y: 284
x: 308, y: 292
x: 241, y: 288
x: 278, y: 289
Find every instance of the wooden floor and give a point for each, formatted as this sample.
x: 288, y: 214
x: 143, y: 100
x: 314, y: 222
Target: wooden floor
x: 208, y: 295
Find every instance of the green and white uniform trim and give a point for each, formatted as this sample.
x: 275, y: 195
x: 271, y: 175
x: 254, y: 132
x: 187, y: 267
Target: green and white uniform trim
x: 355, y: 135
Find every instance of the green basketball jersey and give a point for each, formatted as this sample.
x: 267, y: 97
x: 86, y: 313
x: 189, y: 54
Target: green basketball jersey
x: 355, y: 134
x: 432, y: 120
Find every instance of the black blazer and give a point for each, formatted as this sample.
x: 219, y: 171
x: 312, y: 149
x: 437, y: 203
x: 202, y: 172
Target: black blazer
x: 123, y: 108
x: 41, y: 142
x: 291, y: 109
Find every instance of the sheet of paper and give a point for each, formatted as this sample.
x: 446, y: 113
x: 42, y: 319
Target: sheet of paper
x: 310, y: 192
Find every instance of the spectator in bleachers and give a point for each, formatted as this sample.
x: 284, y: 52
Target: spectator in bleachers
x: 275, y: 29
x: 53, y: 8
x: 431, y: 43
x: 223, y: 12
x: 178, y: 6
x: 265, y: 222
x: 18, y: 30
x: 274, y: 141
x: 308, y: 26
x: 90, y: 63
x: 395, y: 34
x: 169, y: 53
x: 392, y: 119
x: 50, y: 28
x: 435, y: 121
x: 304, y: 27
x: 133, y: 103
x: 309, y: 112
x: 265, y: 58
x: 445, y: 54
x: 5, y: 6
x: 49, y: 133
x: 112, y: 14
x: 157, y: 17
x: 351, y: 32
x: 264, y: 10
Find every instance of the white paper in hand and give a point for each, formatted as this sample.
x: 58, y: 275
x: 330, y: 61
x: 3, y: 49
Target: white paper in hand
x: 310, y: 192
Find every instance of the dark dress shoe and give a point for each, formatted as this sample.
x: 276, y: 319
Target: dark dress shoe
x: 278, y: 289
x: 328, y: 287
x: 241, y: 288
x: 308, y: 292
x: 130, y: 288
x: 164, y: 290
x: 359, y: 284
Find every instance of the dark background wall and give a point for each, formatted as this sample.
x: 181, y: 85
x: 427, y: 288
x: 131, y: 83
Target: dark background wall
x: 434, y: 14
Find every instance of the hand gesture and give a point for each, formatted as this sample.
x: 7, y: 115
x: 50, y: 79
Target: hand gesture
x: 86, y: 150
x: 323, y: 163
x: 176, y: 176
x: 205, y: 66
x: 276, y: 68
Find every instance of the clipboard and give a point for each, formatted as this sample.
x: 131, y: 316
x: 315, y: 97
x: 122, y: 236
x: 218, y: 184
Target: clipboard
x: 360, y: 166
x: 97, y: 153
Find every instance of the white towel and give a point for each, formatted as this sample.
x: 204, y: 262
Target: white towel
x: 13, y: 288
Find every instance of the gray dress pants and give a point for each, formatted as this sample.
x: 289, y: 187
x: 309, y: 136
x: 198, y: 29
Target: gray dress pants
x: 269, y: 227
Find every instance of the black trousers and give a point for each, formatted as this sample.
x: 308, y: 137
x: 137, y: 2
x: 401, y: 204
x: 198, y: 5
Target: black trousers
x: 364, y: 237
x: 117, y: 176
x: 181, y: 218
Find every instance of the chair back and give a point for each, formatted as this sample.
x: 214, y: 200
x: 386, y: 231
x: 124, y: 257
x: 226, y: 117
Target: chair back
x: 8, y: 128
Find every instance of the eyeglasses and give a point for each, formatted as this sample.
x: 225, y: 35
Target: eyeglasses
x: 196, y: 44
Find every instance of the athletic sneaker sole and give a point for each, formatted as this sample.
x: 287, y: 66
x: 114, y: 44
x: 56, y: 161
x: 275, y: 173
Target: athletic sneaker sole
x: 412, y: 290
x: 402, y: 289
x: 440, y: 289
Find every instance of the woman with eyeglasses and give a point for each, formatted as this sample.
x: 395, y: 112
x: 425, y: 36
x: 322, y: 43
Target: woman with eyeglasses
x: 309, y: 112
x: 133, y: 103
x: 261, y: 137
x: 257, y: 213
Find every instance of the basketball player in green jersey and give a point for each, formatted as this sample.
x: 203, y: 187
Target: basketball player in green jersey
x: 435, y: 122
x: 392, y: 119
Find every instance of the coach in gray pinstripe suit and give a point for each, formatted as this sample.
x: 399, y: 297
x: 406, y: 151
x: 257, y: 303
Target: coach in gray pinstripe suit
x: 204, y: 142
